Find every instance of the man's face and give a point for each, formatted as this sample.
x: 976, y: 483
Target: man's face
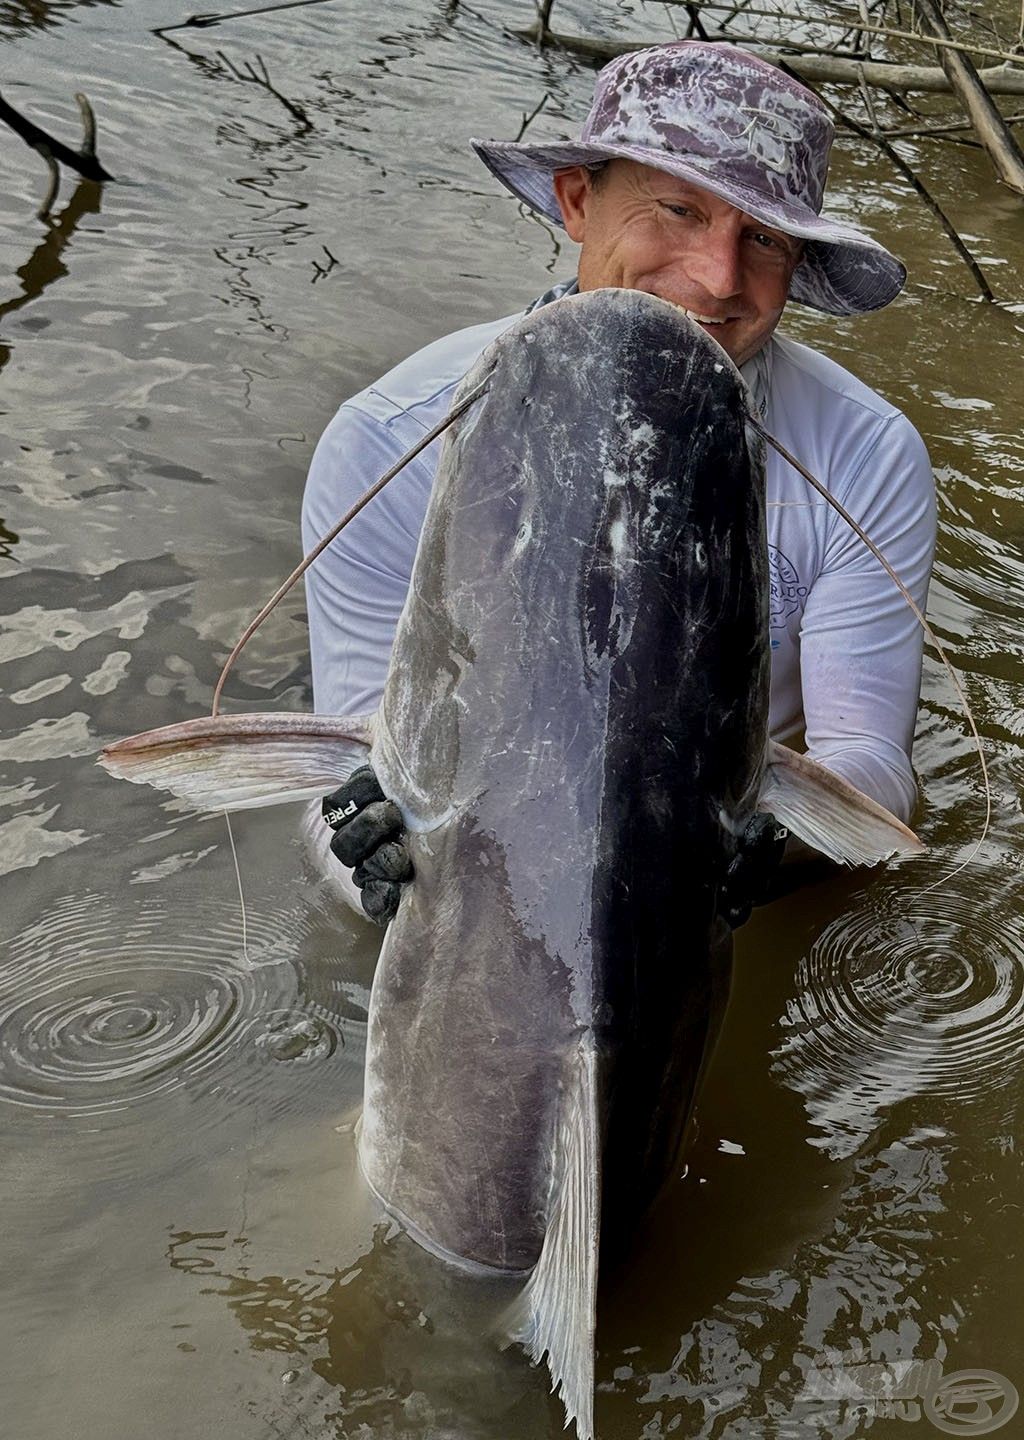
x: 642, y: 229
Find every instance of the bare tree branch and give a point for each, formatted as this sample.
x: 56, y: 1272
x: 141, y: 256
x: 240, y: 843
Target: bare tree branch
x: 939, y: 42
x: 83, y: 161
x: 989, y: 125
x: 54, y: 152
x: 925, y: 194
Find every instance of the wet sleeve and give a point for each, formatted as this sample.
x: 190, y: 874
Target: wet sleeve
x: 860, y: 643
x: 356, y: 590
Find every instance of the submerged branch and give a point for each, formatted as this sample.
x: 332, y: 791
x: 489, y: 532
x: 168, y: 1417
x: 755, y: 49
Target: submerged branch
x: 54, y: 152
x: 204, y: 21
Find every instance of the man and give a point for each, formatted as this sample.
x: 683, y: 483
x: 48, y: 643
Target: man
x: 698, y: 178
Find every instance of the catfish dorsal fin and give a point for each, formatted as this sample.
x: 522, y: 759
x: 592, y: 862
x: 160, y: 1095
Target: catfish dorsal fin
x: 830, y: 814
x: 556, y: 1313
x: 237, y: 762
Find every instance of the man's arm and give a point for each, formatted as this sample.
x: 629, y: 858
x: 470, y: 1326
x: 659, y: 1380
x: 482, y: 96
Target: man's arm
x: 355, y: 591
x: 860, y: 643
x: 354, y: 595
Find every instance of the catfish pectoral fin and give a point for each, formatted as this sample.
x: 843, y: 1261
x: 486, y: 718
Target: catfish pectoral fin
x: 237, y: 762
x: 830, y: 814
x: 556, y: 1313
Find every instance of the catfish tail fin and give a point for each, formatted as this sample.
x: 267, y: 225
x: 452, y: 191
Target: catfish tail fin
x: 556, y: 1313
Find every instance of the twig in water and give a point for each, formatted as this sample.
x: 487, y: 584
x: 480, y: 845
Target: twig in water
x: 55, y: 152
x: 529, y: 119
x: 203, y: 21
x: 250, y: 76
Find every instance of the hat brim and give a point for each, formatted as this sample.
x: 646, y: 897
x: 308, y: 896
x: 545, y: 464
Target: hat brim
x: 842, y: 270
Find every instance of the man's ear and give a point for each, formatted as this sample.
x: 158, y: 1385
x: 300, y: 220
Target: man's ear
x: 572, y: 189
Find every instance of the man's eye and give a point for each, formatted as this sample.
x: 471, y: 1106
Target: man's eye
x: 766, y: 241
x: 675, y: 209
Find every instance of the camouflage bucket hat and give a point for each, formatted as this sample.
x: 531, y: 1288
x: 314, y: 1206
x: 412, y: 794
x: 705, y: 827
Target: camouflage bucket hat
x: 718, y: 117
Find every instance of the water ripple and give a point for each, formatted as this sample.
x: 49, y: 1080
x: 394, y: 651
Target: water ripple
x: 102, y: 1009
x: 905, y: 998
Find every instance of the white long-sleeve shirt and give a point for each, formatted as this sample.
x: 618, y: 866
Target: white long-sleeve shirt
x: 846, y: 648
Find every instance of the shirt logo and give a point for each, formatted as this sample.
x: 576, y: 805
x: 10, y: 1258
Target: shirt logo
x: 787, y: 593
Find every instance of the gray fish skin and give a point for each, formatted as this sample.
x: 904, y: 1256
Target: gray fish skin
x: 574, y: 725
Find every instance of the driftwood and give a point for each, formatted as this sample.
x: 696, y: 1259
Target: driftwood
x: 833, y: 69
x: 84, y: 161
x: 989, y: 125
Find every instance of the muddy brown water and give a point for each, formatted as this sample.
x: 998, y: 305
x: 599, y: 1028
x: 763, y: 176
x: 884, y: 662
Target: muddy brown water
x: 187, y: 1247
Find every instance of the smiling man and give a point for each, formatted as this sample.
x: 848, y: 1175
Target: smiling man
x: 698, y: 178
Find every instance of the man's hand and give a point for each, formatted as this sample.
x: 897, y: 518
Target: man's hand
x: 751, y: 871
x: 367, y: 837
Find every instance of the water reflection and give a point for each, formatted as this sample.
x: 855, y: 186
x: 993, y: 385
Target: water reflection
x: 45, y: 265
x: 19, y: 16
x: 741, y: 1369
x: 395, y: 1344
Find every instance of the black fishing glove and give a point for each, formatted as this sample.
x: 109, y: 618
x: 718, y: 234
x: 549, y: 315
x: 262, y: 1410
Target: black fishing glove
x: 367, y: 837
x: 751, y: 871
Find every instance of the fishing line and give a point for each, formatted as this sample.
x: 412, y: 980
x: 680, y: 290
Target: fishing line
x: 322, y: 544
x: 241, y: 896
x: 297, y: 574
x: 919, y: 615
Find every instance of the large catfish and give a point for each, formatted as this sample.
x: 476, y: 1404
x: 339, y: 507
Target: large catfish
x: 575, y: 728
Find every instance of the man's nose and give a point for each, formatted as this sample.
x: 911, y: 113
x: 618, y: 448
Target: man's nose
x: 716, y: 263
